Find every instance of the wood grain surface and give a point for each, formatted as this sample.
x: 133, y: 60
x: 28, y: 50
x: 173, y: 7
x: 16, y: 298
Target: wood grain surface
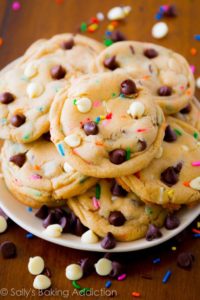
x: 42, y: 19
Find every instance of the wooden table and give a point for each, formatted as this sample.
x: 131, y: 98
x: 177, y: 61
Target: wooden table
x: 37, y: 19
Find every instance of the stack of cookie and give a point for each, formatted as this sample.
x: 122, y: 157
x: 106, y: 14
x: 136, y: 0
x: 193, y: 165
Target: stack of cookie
x: 112, y: 133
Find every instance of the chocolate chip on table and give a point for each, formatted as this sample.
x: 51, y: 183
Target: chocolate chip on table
x: 111, y: 63
x: 87, y: 265
x: 117, y: 36
x: 117, y: 156
x: 165, y: 91
x: 170, y: 176
x: 117, y: 269
x: 185, y: 260
x: 170, y: 12
x: 18, y: 120
x: 116, y: 218
x: 186, y: 110
x: 108, y: 241
x: 150, y: 53
x: 91, y: 128
x: 58, y: 72
x: 170, y: 135
x: 172, y: 222
x: 118, y: 191
x: 153, y: 233
x: 67, y: 45
x: 18, y: 159
x: 42, y: 212
x: 128, y: 87
x: 50, y: 219
x: 8, y: 249
x: 47, y: 272
x: 6, y: 98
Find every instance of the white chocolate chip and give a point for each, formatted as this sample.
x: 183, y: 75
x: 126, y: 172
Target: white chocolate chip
x: 41, y: 282
x: 89, y: 237
x: 103, y: 267
x: 159, y: 30
x: 67, y: 168
x: 34, y: 89
x: 195, y: 183
x: 3, y: 224
x: 36, y: 265
x: 118, y: 13
x: 136, y: 109
x: 30, y: 70
x: 74, y: 272
x: 84, y: 105
x: 73, y: 140
x: 127, y: 9
x: 184, y: 147
x: 100, y: 16
x: 51, y: 169
x: 159, y: 153
x: 198, y: 82
x: 53, y: 230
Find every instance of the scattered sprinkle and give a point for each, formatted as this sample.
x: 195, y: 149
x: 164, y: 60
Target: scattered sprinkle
x: 108, y: 284
x: 166, y: 276
x: 96, y: 203
x: 121, y: 277
x: 186, y: 183
x: 196, y: 163
x: 156, y: 260
x: 195, y: 230
x: 84, y: 291
x: 193, y: 51
x: 16, y: 6
x: 136, y: 294
x: 61, y: 150
x: 192, y: 68
x: 75, y: 101
x: 29, y: 209
x: 197, y: 37
x: 196, y: 235
x: 76, y: 285
x: 83, y: 27
x: 128, y: 153
x: 1, y: 41
x: 196, y: 135
x: 29, y: 235
x: 108, y: 42
x: 173, y: 248
x: 98, y: 191
x: 198, y: 224
x: 177, y: 131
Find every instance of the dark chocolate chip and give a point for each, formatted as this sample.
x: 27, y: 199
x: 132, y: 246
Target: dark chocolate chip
x: 118, y: 191
x: 8, y: 249
x: 142, y: 145
x: 59, y: 213
x: 117, y: 36
x: 170, y: 135
x: 170, y: 12
x: 47, y: 272
x: 165, y: 91
x: 108, y: 241
x: 91, y: 128
x: 6, y: 98
x: 185, y: 260
x: 42, y: 212
x: 49, y: 220
x: 117, y: 156
x: 170, y: 176
x: 172, y: 222
x: 18, y: 120
x: 67, y: 45
x: 117, y: 269
x: 128, y: 87
x: 18, y: 159
x: 111, y: 63
x: 65, y: 224
x: 87, y: 265
x: 153, y: 233
x: 116, y: 218
x: 58, y: 72
x: 47, y: 136
x: 76, y: 227
x: 186, y: 110
x: 150, y: 53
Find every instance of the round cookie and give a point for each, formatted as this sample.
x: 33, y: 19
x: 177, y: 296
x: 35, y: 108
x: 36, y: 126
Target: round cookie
x: 115, y: 211
x: 165, y: 73
x: 173, y: 178
x: 27, y: 90
x: 190, y: 114
x: 36, y: 174
x: 106, y: 124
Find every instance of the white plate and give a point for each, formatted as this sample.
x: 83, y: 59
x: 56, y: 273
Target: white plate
x: 20, y: 215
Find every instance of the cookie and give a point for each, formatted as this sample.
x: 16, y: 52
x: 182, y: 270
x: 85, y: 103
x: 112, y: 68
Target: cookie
x: 165, y: 73
x: 115, y: 211
x: 106, y: 124
x: 190, y: 114
x: 173, y: 178
x: 36, y: 174
x: 27, y: 90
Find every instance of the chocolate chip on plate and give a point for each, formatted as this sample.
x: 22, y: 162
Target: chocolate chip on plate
x: 153, y: 233
x: 18, y: 159
x: 150, y: 53
x: 185, y: 260
x: 42, y: 212
x: 6, y: 98
x: 108, y: 241
x: 118, y: 191
x: 111, y: 63
x: 186, y: 110
x: 165, y: 91
x: 116, y: 218
x: 91, y: 128
x: 8, y: 249
x: 128, y: 87
x: 172, y: 222
x: 18, y: 120
x: 117, y: 156
x: 117, y: 269
x: 58, y: 72
x: 67, y: 45
x: 50, y: 219
x: 170, y: 176
x: 65, y: 224
x: 170, y: 135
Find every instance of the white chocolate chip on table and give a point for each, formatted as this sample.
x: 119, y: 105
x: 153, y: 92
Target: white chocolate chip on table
x: 41, y: 282
x: 74, y: 272
x: 160, y: 30
x: 103, y: 267
x: 36, y: 265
